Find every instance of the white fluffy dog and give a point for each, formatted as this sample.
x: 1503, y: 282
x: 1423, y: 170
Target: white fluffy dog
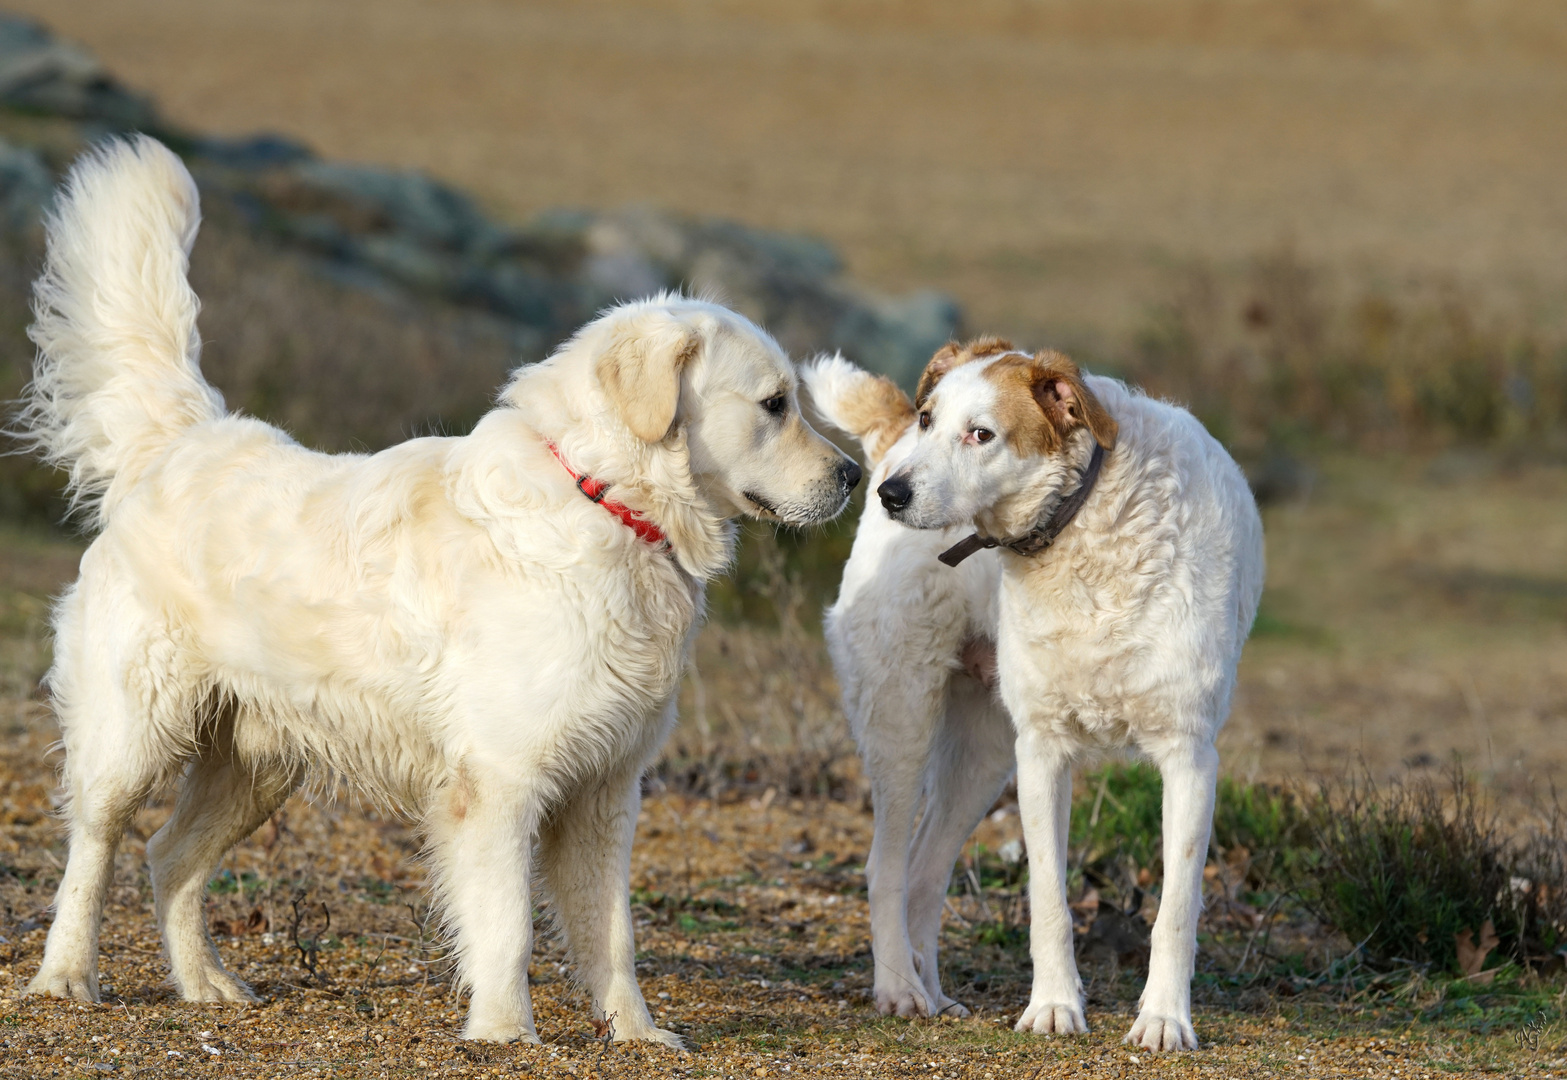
x: 451, y: 626
x: 1129, y: 565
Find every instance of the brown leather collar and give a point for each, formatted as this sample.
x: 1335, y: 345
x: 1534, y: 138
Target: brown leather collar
x: 1044, y: 534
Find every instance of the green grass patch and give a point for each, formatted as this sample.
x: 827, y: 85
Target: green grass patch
x: 247, y: 884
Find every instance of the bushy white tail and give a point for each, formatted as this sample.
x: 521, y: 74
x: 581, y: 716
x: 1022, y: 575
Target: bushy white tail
x: 869, y: 407
x: 117, y: 375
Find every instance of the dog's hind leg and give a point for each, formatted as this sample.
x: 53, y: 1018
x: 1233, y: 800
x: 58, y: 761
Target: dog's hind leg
x: 1044, y: 793
x: 585, y: 858
x: 969, y: 765
x: 895, y: 739
x: 482, y: 830
x: 221, y: 801
x: 108, y: 773
x: 1190, y: 768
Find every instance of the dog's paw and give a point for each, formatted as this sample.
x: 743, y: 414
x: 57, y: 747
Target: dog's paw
x: 1053, y: 1018
x: 662, y: 1036
x: 215, y: 984
x: 906, y: 1002
x: 81, y: 985
x: 495, y: 1030
x: 1157, y: 1032
x: 951, y: 1010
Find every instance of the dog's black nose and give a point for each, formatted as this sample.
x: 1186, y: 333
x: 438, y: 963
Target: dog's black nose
x: 849, y: 476
x: 895, y: 493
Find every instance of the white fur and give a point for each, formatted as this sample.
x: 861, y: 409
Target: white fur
x: 928, y: 731
x: 1127, y: 631
x: 448, y: 626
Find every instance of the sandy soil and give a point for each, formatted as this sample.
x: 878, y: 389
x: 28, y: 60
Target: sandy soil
x: 1048, y: 161
x: 752, y: 938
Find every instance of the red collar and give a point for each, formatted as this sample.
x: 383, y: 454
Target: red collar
x: 595, y: 490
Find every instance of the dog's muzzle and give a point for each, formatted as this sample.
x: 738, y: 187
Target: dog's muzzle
x: 895, y: 494
x: 848, y: 477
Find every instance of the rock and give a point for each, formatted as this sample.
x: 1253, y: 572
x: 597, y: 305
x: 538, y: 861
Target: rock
x: 426, y: 211
x: 896, y: 336
x: 251, y: 152
x: 515, y: 290
x: 792, y: 285
x: 403, y: 259
x: 25, y: 188
x: 41, y: 73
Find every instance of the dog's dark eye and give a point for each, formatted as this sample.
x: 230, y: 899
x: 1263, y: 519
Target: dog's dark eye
x: 924, y: 420
x: 983, y: 435
x: 776, y: 404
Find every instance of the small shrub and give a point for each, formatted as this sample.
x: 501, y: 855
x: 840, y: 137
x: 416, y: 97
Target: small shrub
x: 1267, y: 820
x: 1407, y: 866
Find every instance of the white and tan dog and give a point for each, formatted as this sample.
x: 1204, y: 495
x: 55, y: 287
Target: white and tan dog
x: 1131, y: 565
x: 450, y: 626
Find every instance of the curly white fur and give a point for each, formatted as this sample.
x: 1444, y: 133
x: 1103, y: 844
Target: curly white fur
x: 1127, y: 631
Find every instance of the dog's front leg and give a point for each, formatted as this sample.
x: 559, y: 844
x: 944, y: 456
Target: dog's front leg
x: 585, y: 856
x: 1164, y: 1019
x: 482, y: 839
x: 1044, y: 795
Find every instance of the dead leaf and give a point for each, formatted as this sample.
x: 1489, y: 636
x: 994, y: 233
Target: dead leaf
x: 1471, y: 957
x: 1229, y: 872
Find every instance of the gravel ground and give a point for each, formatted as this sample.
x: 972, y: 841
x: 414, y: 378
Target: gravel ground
x: 753, y: 936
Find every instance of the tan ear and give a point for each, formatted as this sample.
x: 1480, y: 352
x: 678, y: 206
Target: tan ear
x: 640, y: 374
x: 947, y: 357
x: 1066, y: 400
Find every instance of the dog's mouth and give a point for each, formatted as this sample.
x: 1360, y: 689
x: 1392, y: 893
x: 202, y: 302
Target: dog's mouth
x: 767, y: 508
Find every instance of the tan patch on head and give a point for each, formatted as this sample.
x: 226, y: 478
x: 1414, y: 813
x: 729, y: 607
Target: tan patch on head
x: 879, y: 413
x: 952, y: 355
x: 988, y: 345
x: 1042, y: 399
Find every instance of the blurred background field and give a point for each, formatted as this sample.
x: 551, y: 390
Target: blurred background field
x: 1334, y: 229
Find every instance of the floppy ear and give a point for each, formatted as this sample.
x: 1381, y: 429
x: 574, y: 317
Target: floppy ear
x: 640, y: 373
x: 947, y: 357
x: 1066, y: 400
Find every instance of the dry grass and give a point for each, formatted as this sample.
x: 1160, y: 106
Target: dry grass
x: 1280, y: 359
x: 1389, y: 141
x: 343, y: 368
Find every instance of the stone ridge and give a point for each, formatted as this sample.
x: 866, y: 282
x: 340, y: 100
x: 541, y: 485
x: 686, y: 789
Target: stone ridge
x: 382, y: 229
